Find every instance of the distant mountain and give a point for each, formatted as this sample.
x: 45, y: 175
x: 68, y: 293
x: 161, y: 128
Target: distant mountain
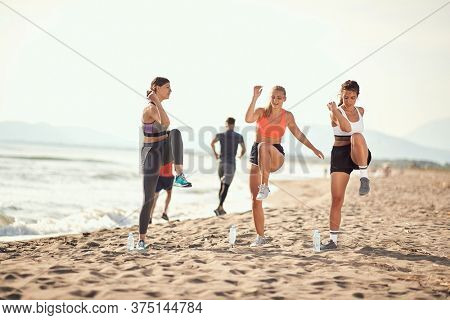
x: 433, y: 134
x: 381, y: 145
x: 45, y: 133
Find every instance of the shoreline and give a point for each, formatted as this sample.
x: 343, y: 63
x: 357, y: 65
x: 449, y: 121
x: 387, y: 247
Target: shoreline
x: 31, y: 237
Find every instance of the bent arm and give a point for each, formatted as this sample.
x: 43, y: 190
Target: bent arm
x: 252, y: 115
x: 213, y: 146
x: 292, y: 125
x: 243, y: 149
x: 339, y: 119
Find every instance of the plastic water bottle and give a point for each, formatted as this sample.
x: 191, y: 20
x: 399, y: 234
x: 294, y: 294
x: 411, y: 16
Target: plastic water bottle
x: 316, y: 240
x: 232, y: 235
x: 130, y: 242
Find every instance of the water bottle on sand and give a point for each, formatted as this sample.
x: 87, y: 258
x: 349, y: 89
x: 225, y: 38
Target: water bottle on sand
x: 232, y: 235
x: 316, y: 240
x: 130, y: 242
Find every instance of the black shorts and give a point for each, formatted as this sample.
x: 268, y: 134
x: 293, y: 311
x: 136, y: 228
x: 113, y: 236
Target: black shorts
x: 226, y: 171
x: 164, y: 183
x: 341, y: 161
x: 254, y: 152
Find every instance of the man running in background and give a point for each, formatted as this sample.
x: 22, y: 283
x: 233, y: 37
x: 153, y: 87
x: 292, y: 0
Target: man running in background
x: 229, y: 141
x: 165, y: 182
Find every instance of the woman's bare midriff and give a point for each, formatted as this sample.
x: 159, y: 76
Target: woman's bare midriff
x: 155, y: 139
x: 267, y: 139
x: 340, y: 143
x: 152, y: 139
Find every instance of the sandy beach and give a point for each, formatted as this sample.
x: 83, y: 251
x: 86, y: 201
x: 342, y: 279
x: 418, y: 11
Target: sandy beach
x: 394, y: 245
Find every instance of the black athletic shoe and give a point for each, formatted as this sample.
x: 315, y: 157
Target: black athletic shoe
x: 165, y: 217
x: 329, y: 246
x: 364, y: 187
x: 219, y: 212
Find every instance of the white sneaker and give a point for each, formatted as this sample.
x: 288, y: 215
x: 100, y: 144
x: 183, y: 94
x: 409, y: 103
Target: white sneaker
x: 263, y: 192
x: 259, y: 241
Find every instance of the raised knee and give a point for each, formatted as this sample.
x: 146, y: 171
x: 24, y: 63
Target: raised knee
x: 263, y: 146
x: 357, y: 137
x: 175, y: 132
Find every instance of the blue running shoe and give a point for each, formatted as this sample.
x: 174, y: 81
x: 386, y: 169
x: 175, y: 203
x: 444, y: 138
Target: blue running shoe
x: 141, y: 246
x: 180, y: 181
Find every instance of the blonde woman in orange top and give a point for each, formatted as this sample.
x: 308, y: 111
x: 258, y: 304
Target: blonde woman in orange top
x: 267, y: 153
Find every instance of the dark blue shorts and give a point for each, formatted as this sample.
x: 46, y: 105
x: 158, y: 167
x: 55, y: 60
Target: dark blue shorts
x: 254, y: 152
x: 164, y: 183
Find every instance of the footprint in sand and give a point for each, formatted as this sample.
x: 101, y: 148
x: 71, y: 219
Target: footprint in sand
x: 132, y: 268
x: 25, y: 275
x: 14, y: 296
x: 340, y: 278
x: 320, y: 283
x: 231, y: 282
x: 200, y: 261
x: 165, y: 265
x: 91, y: 244
x: 10, y: 277
x: 153, y: 294
x: 42, y: 279
x: 397, y: 293
x: 358, y: 295
x: 98, y: 274
x: 61, y: 270
x: 90, y: 281
x: 237, y: 271
x: 220, y: 294
x: 342, y: 284
x: 84, y: 294
x: 378, y: 286
x: 198, y: 280
x: 6, y: 289
x: 269, y: 280
x: 225, y: 294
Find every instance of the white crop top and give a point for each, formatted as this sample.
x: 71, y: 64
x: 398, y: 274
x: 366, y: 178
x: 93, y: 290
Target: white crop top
x: 357, y: 127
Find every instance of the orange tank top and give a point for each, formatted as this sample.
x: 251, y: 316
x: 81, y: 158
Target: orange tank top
x: 166, y: 170
x: 272, y: 129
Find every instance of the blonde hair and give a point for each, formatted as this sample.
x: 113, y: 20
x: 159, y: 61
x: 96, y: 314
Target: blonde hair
x: 268, y: 109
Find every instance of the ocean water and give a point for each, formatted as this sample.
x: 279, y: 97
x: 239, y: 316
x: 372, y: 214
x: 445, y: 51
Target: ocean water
x: 51, y: 190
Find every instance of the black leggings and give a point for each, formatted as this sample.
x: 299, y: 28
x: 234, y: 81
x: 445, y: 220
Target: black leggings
x: 223, y: 192
x: 153, y: 156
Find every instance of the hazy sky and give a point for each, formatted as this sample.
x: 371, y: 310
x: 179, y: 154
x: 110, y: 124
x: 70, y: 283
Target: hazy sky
x: 214, y: 52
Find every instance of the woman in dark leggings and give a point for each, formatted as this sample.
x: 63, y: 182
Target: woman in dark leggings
x: 160, y: 147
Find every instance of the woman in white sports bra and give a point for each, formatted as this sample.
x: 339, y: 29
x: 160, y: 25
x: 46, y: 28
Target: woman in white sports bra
x: 350, y: 152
